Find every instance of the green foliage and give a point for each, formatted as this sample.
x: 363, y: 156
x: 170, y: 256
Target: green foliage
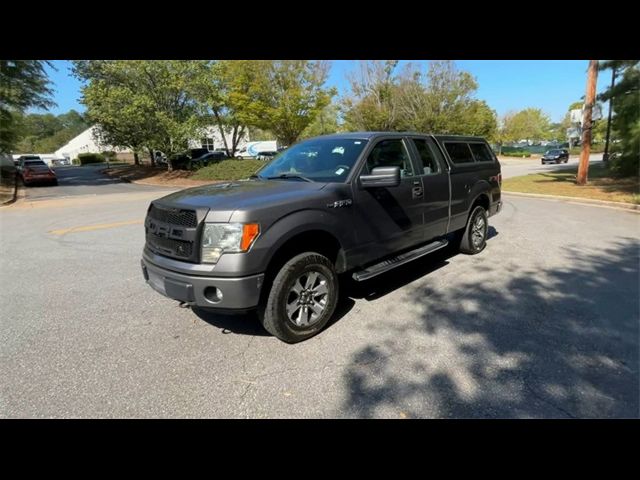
x: 439, y: 101
x: 46, y: 132
x: 325, y: 123
x: 288, y: 96
x: 576, y: 105
x: 86, y: 158
x: 625, y: 97
x: 515, y: 152
x: 142, y: 104
x: 530, y: 123
x: 229, y: 170
x: 23, y: 84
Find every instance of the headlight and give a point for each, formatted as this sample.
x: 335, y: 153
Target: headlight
x: 219, y: 238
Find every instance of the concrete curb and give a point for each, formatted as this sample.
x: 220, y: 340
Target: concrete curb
x: 584, y: 201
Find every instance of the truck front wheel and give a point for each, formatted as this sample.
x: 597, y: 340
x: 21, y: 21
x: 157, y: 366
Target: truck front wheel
x: 302, y: 298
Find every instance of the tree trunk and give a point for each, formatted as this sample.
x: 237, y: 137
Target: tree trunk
x: 238, y: 133
x: 153, y: 158
x: 136, y: 158
x: 219, y: 123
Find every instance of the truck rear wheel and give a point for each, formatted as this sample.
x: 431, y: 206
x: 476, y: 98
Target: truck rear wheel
x: 302, y: 298
x: 474, y: 236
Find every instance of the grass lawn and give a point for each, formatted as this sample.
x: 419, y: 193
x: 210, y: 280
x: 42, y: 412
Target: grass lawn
x: 602, y: 185
x: 233, y: 169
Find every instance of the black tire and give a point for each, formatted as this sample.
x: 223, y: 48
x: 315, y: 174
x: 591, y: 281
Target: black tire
x: 273, y: 314
x: 467, y: 243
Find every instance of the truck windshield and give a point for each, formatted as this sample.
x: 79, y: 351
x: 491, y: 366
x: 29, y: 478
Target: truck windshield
x: 318, y: 160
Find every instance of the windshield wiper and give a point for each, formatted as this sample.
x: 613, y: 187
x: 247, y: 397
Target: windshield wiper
x: 289, y: 175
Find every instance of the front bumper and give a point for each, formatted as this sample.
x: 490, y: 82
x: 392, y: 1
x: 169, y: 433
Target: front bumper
x: 223, y: 293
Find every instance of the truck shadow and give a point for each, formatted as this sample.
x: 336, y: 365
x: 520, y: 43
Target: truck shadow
x: 248, y: 323
x: 544, y: 342
x: 399, y: 277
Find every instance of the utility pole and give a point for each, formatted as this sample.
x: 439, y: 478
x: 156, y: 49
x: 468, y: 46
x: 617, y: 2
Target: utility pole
x: 583, y: 167
x: 605, y: 157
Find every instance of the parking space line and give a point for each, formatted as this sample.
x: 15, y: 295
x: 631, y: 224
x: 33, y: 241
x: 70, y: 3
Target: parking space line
x: 100, y: 226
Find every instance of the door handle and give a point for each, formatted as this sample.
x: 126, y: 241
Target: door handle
x: 416, y: 191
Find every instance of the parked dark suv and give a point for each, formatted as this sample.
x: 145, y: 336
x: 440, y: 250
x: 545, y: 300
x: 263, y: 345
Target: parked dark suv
x: 555, y: 156
x: 356, y: 203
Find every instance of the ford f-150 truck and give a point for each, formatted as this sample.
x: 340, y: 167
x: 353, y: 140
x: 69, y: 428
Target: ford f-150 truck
x: 358, y: 204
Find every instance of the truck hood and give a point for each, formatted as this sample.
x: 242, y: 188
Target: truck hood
x: 242, y: 194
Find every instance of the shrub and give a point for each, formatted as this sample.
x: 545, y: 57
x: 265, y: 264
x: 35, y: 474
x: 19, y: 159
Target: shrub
x: 109, y: 155
x: 515, y: 152
x: 86, y: 158
x: 625, y: 165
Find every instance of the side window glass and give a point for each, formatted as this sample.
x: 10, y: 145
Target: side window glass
x: 390, y: 153
x: 459, y: 152
x: 429, y: 164
x: 481, y: 152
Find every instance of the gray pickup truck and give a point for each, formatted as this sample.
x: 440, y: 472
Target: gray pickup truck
x: 358, y: 204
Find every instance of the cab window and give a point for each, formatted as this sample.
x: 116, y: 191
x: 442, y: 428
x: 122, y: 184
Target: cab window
x: 390, y: 153
x: 428, y: 162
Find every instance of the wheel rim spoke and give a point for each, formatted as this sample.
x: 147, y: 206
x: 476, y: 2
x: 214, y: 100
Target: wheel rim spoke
x: 307, y: 298
x: 321, y: 289
x: 311, y: 280
x: 297, y: 287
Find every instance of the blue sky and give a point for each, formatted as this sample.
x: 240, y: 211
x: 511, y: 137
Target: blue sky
x: 504, y: 84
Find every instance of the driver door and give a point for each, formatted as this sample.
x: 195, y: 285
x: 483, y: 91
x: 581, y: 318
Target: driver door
x: 389, y: 218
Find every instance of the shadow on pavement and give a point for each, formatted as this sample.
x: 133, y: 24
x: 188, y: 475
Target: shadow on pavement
x: 543, y: 342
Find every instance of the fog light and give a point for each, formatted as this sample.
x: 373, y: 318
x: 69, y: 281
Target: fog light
x: 213, y: 294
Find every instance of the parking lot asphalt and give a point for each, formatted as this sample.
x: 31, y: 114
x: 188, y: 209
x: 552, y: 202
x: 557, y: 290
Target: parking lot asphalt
x: 543, y: 324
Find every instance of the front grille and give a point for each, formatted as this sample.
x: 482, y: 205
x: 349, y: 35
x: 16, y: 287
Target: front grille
x: 168, y: 246
x: 174, y: 216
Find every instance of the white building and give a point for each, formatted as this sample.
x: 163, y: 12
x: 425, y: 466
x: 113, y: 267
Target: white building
x: 87, y: 143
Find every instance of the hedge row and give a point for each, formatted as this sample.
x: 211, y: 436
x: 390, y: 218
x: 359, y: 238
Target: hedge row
x: 86, y: 158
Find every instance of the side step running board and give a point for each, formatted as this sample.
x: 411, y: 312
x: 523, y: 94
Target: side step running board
x: 398, y: 260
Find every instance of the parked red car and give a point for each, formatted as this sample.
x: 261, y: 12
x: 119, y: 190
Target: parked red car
x: 32, y: 171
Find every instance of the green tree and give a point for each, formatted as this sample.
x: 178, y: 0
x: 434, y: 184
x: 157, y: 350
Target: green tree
x: 528, y: 124
x: 142, y: 103
x: 228, y: 91
x: 625, y: 98
x: 325, y: 123
x: 23, y: 84
x: 439, y: 100
x: 46, y: 132
x: 289, y: 96
x: 372, y: 103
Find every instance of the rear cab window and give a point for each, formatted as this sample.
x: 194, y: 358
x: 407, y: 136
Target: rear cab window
x: 481, y: 152
x: 464, y: 153
x: 459, y: 152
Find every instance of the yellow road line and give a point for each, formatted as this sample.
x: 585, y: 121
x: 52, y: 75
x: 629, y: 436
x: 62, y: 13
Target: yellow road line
x: 99, y: 226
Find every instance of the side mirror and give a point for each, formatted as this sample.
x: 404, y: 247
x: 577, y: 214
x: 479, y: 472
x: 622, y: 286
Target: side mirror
x: 381, y: 177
